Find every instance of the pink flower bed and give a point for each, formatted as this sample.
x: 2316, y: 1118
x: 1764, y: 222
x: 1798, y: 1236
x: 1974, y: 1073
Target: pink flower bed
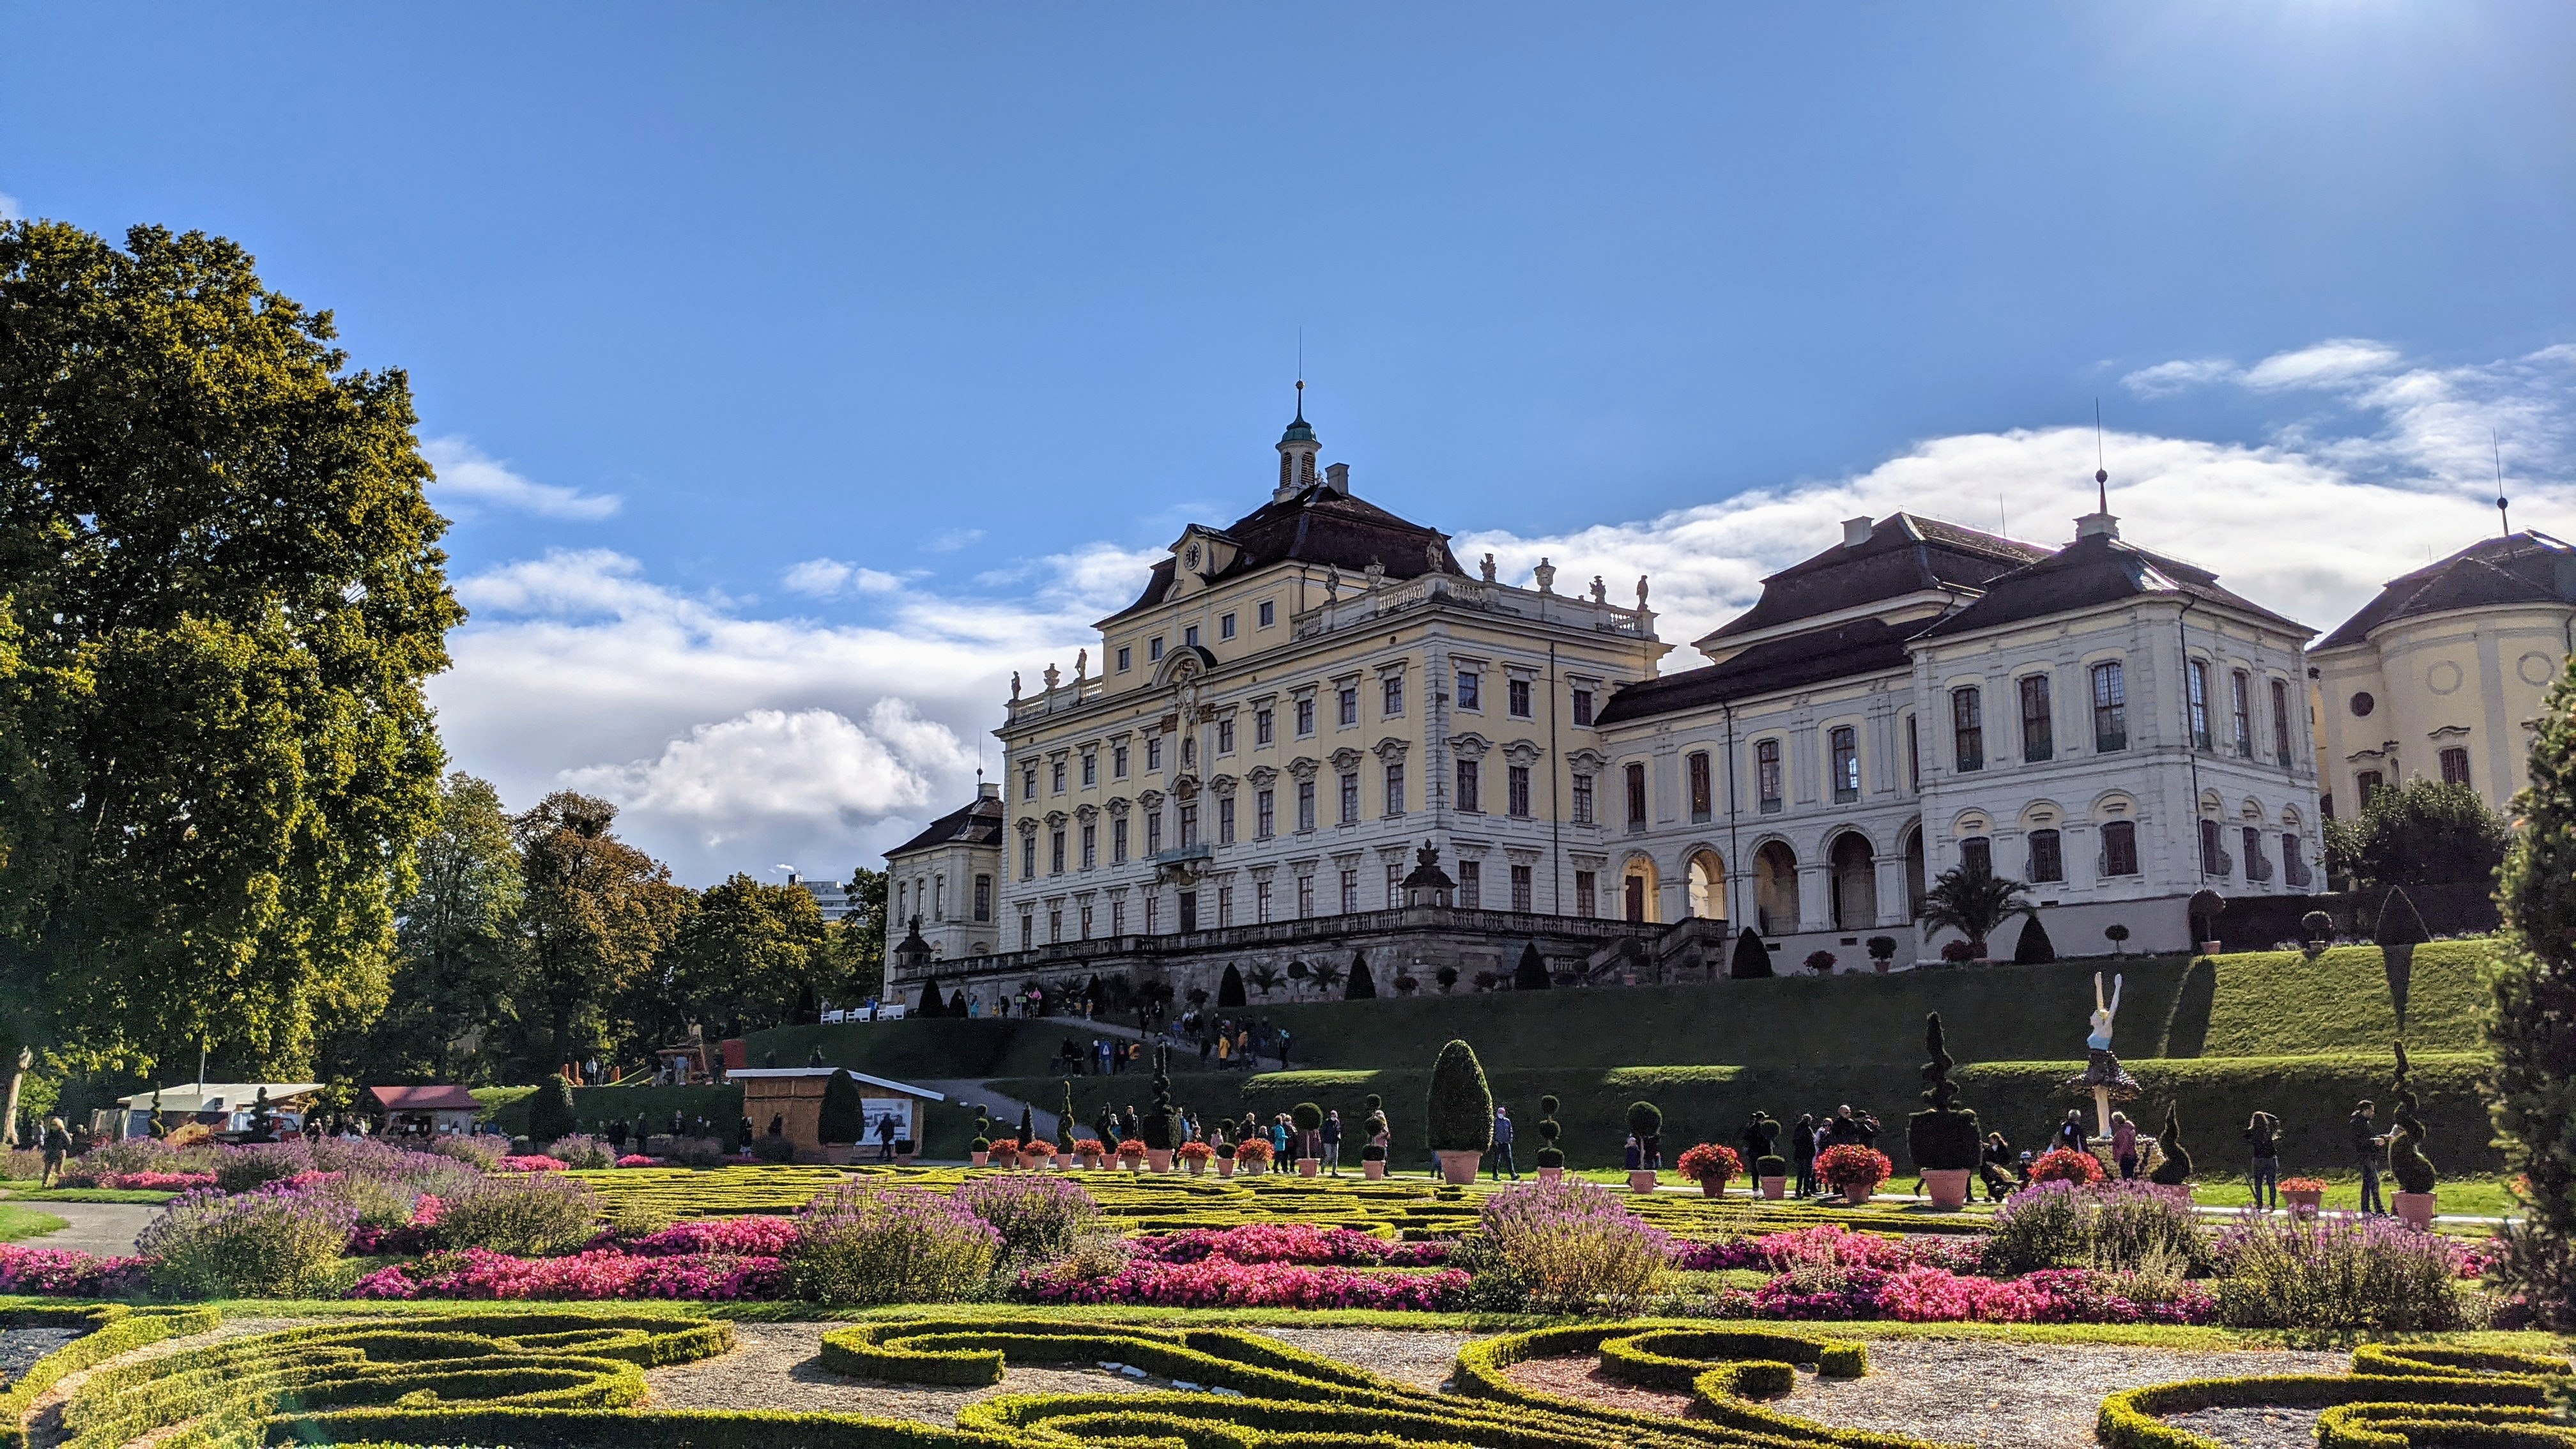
x: 1222, y: 1283
x: 529, y: 1164
x: 69, y: 1273
x: 743, y: 1237
x: 142, y: 1181
x: 1937, y: 1295
x: 1831, y: 1245
x: 600, y: 1273
x: 638, y: 1159
x: 1287, y: 1243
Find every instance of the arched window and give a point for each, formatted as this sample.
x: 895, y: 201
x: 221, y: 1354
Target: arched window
x: 1775, y: 888
x: 1708, y: 886
x: 1977, y: 855
x: 1855, y: 882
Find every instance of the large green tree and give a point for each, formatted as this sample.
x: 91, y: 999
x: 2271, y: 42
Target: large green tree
x: 854, y: 946
x: 2531, y: 1019
x: 749, y: 955
x: 457, y: 952
x: 596, y: 917
x: 2421, y: 833
x: 220, y: 593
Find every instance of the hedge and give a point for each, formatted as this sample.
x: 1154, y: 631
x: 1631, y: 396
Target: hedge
x: 114, y: 1329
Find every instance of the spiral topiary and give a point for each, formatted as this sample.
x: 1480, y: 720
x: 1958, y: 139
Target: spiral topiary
x: 1549, y: 1154
x: 1156, y: 1130
x: 1943, y: 1136
x: 2173, y: 1163
x: 2406, y: 1159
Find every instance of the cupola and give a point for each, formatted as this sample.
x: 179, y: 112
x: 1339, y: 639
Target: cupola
x: 1297, y: 452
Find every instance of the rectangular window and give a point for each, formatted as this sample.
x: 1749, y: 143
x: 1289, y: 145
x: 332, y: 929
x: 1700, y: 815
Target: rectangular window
x: 2110, y: 706
x: 2294, y: 870
x: 1090, y: 768
x: 1766, y: 776
x: 2038, y: 728
x: 1118, y: 763
x: 1029, y: 857
x: 1516, y: 790
x: 1189, y: 821
x: 1126, y: 658
x: 2120, y: 848
x: 1394, y: 886
x: 1190, y: 636
x: 1701, y: 793
x: 2280, y: 722
x: 1843, y: 743
x: 1055, y: 924
x: 1225, y: 735
x: 1260, y: 901
x: 1090, y: 845
x: 1913, y: 757
x: 2213, y: 848
x: 1028, y: 782
x: 2455, y: 766
x: 1395, y: 789
x: 1522, y: 894
x: 1028, y: 928
x: 1305, y: 804
x: 1154, y: 832
x: 1467, y: 799
x: 1225, y: 820
x: 1305, y: 717
x: 2365, y: 785
x: 1968, y: 728
x: 1154, y: 753
x: 1582, y: 706
x: 1351, y: 798
x: 1118, y: 841
x: 1350, y: 890
x: 1390, y: 696
x: 2256, y: 867
x: 2047, y: 856
x: 1582, y: 798
x: 1305, y: 897
x: 1636, y: 781
x: 1190, y: 750
x: 983, y: 898
x: 1977, y: 855
x: 1264, y: 728
x: 2196, y: 701
x: 1519, y: 692
x: 1154, y: 649
x: 1055, y: 776
x: 1225, y: 894
x: 1471, y: 884
x: 1468, y: 683
x: 1224, y: 630
x: 1587, y: 893
x: 1117, y: 916
x: 2240, y: 708
x: 1264, y: 815
x: 1268, y: 614
x: 1153, y: 915
x: 1086, y: 920
x: 1055, y: 852
x: 1349, y: 701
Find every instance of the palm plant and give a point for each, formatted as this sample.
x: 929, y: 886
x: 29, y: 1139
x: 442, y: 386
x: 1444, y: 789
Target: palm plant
x: 1973, y: 903
x: 1327, y: 978
x: 1264, y: 978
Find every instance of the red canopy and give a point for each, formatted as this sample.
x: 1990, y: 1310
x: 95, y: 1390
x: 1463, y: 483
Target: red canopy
x: 424, y: 1099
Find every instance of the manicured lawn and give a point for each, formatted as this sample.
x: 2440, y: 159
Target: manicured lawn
x: 2474, y: 1196
x: 24, y: 1222
x: 92, y: 1194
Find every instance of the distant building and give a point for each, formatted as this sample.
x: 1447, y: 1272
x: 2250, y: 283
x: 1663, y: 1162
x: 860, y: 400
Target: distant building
x: 948, y: 876
x: 832, y: 896
x: 2441, y: 675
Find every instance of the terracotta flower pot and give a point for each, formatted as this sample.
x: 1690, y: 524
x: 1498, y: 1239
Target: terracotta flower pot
x: 1132, y: 1164
x: 980, y: 1158
x: 1225, y: 1167
x: 1004, y: 1160
x: 1947, y: 1187
x: 2304, y: 1204
x: 1458, y: 1169
x: 1198, y: 1165
x: 1159, y: 1158
x: 1712, y: 1187
x: 1859, y: 1193
x: 2414, y: 1209
x: 1550, y: 1174
x: 1775, y: 1188
x: 1642, y: 1180
x: 1310, y: 1167
x: 1373, y: 1171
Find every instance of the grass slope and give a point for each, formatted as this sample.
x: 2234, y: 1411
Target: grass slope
x: 25, y: 1222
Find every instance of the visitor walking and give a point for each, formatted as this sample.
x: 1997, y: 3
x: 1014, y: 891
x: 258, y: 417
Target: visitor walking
x: 2263, y: 1139
x: 1503, y: 1145
x: 2124, y: 1145
x: 2372, y: 1149
x: 2070, y: 1133
x: 57, y: 1144
x: 1636, y: 1155
x: 885, y: 1138
x: 1802, y: 1153
x: 1333, y: 1143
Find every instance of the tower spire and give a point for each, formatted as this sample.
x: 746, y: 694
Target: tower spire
x: 2099, y: 523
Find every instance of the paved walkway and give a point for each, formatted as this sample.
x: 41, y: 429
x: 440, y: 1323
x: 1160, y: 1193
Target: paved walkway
x: 1005, y: 1110
x: 104, y: 1228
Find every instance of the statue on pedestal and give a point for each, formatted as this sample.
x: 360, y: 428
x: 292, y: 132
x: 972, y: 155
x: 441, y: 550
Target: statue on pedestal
x: 2108, y: 1081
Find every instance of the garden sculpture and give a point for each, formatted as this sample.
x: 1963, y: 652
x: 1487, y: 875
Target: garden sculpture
x: 2103, y: 1075
x: 2406, y: 1160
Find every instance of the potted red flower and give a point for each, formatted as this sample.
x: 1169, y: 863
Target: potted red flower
x: 1090, y: 1150
x: 1712, y: 1165
x: 1253, y: 1156
x: 1131, y: 1154
x: 2065, y: 1164
x: 1005, y: 1152
x: 1039, y: 1154
x: 1195, y: 1156
x: 2305, y: 1195
x: 1853, y: 1170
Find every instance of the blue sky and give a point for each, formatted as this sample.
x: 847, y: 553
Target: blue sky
x: 796, y: 372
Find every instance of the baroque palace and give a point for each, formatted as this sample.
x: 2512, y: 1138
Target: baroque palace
x: 1315, y: 734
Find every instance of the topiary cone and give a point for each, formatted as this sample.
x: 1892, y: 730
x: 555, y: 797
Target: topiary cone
x: 1461, y: 1106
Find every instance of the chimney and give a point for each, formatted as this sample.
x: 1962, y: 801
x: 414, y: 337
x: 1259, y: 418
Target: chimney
x: 989, y: 790
x: 1856, y: 531
x: 2097, y: 525
x: 1338, y: 476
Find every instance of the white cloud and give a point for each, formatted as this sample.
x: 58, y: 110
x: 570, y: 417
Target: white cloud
x: 466, y: 473
x: 2167, y: 378
x: 10, y: 210
x: 824, y: 577
x: 732, y: 738
x: 953, y: 540
x: 2323, y: 365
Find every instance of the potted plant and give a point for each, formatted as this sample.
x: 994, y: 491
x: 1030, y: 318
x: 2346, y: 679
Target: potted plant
x: 1712, y: 1165
x: 1973, y: 903
x: 1960, y: 952
x: 1772, y: 1175
x: 1225, y: 1164
x: 841, y: 1121
x: 1551, y: 1158
x: 1646, y: 1124
x: 1821, y: 962
x: 1944, y: 1138
x: 1090, y: 1150
x: 2305, y: 1195
x: 1372, y: 1162
x: 1004, y: 1152
x: 1253, y: 1155
x: 1882, y: 952
x: 1461, y: 1110
x: 2065, y: 1164
x: 905, y: 1150
x: 1038, y: 1154
x: 979, y: 1151
x: 2173, y: 1164
x: 1308, y: 1119
x: 2319, y: 930
x: 1853, y: 1170
x: 1131, y: 1155
x: 1195, y: 1155
x: 2118, y: 936
x: 2407, y: 1163
x: 1157, y: 1129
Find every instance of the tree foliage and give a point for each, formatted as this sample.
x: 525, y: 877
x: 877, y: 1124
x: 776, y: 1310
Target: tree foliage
x: 2421, y: 833
x: 220, y: 593
x: 597, y: 916
x: 854, y: 946
x: 2531, y: 1018
x: 747, y: 955
x: 457, y: 947
x: 1973, y: 903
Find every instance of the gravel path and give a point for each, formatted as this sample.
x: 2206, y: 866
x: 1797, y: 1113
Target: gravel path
x: 104, y: 1228
x: 45, y: 1416
x: 1983, y: 1392
x: 2254, y: 1428
x: 1424, y: 1360
x: 20, y: 1347
x: 773, y: 1366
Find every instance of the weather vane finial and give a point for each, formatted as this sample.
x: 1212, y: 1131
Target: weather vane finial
x: 2101, y: 473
